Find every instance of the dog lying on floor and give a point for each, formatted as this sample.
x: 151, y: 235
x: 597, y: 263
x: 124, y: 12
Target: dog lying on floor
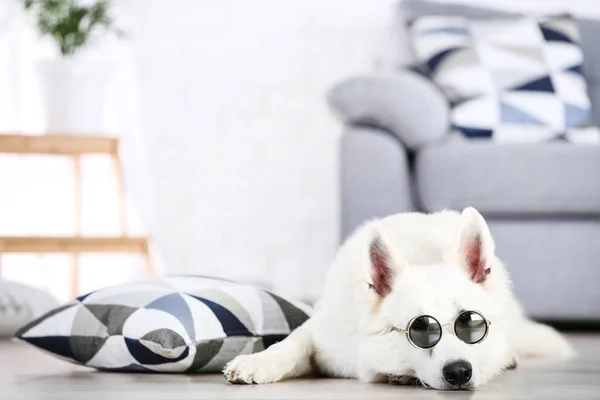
x: 410, y: 296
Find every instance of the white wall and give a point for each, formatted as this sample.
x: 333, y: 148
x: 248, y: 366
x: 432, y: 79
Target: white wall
x: 242, y: 146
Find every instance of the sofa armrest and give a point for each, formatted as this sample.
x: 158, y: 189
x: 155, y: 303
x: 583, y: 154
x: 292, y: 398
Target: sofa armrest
x: 405, y: 104
x: 375, y: 177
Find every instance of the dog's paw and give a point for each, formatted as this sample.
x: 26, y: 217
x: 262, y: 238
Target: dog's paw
x: 539, y: 340
x: 252, y: 369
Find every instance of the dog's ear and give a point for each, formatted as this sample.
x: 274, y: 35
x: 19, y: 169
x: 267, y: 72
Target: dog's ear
x: 385, y: 263
x: 473, y: 245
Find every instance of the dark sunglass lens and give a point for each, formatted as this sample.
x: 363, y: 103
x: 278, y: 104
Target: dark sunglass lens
x: 425, y: 331
x: 470, y: 327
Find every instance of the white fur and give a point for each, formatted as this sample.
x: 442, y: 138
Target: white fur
x: 349, y: 334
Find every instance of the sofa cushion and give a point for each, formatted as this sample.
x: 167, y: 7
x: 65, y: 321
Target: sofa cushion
x: 533, y: 179
x: 518, y: 79
x: 589, y: 30
x: 173, y: 324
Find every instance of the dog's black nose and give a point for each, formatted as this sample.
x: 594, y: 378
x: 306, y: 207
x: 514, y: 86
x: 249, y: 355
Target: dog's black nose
x: 458, y: 372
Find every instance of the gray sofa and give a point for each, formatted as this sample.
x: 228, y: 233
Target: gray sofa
x: 542, y: 201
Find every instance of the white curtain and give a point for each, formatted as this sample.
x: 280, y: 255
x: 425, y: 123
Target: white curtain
x: 37, y: 192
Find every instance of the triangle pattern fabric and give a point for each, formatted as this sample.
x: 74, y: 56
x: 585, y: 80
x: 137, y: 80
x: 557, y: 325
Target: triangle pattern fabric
x: 553, y: 35
x: 501, y: 59
x: 175, y: 305
x: 146, y: 320
x: 541, y: 106
x: 575, y: 116
x: 26, y: 330
x: 515, y: 80
x: 571, y: 88
x: 293, y: 315
x: 510, y: 79
x: 560, y: 56
x: 566, y: 26
x: 235, y: 345
x: 576, y: 69
x: 277, y: 322
x: 205, y: 352
x: 113, y: 317
x: 232, y: 326
x: 85, y: 323
x: 534, y: 54
x: 514, y: 115
x: 249, y: 298
x: 435, y: 61
x: 482, y: 112
x: 206, y: 324
x: 221, y: 297
x: 477, y: 82
x: 59, y: 323
x: 59, y: 345
x: 112, y: 356
x: 462, y: 58
x: 543, y: 84
x: 84, y: 348
x: 270, y: 340
x: 174, y: 330
x: 504, y: 32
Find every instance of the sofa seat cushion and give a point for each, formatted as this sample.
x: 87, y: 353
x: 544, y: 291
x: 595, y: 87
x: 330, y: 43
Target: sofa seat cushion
x: 516, y: 179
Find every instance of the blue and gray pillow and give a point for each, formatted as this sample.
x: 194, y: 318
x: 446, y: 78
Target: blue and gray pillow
x: 511, y: 79
x: 176, y: 324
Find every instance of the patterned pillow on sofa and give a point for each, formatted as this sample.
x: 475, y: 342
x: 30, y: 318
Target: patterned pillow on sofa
x: 515, y: 79
x: 175, y: 324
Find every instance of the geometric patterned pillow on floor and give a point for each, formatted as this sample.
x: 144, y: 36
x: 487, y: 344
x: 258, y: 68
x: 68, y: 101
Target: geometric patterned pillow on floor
x: 517, y: 79
x: 175, y: 324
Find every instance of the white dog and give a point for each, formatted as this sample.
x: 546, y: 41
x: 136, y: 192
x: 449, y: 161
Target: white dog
x: 410, y: 296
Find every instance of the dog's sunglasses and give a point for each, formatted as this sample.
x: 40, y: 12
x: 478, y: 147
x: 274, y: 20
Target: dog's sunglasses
x: 425, y: 332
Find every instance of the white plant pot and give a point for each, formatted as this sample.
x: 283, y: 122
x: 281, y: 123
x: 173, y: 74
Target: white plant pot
x: 74, y: 95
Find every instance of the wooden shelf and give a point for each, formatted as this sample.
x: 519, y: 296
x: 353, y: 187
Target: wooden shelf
x: 58, y: 144
x: 74, y: 147
x: 75, y: 244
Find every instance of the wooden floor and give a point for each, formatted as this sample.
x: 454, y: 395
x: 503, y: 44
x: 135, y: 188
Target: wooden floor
x: 26, y: 373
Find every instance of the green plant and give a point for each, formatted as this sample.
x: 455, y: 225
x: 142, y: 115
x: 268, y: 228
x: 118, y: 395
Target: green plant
x: 71, y: 25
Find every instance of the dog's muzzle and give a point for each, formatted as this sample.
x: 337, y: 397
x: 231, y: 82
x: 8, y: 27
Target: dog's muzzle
x: 458, y: 373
